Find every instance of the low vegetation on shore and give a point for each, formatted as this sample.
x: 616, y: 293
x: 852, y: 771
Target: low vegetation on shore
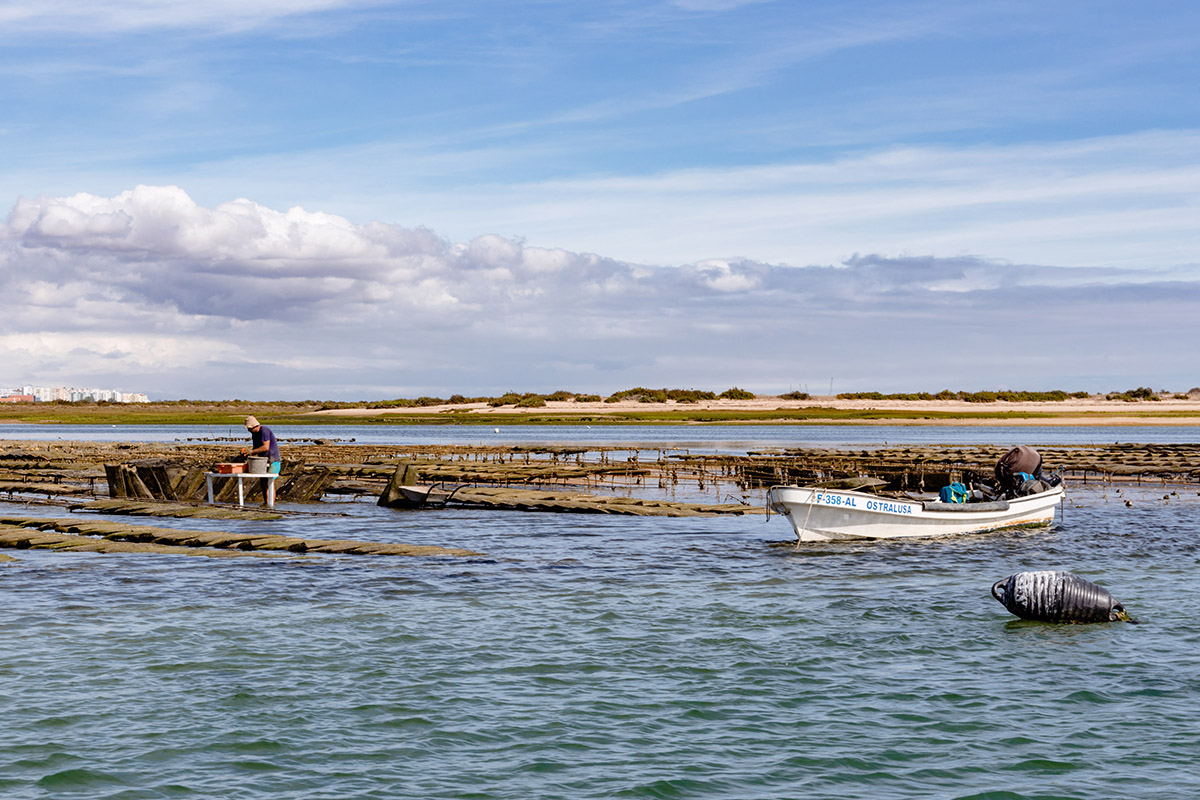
x: 641, y: 394
x: 683, y: 405
x: 972, y: 397
x: 1053, y: 396
x: 638, y: 394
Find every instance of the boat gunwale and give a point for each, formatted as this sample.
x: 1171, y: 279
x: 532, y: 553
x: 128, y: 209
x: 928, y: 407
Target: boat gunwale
x: 979, y: 521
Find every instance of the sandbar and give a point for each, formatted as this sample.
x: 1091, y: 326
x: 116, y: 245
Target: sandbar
x: 1092, y: 411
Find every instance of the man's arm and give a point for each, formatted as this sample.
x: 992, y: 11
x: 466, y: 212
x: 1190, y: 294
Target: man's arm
x: 262, y: 448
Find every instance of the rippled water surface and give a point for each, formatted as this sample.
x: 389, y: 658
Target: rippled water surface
x: 606, y: 657
x: 727, y: 438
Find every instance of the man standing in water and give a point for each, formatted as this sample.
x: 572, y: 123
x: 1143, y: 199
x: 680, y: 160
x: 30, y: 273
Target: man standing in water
x: 263, y: 443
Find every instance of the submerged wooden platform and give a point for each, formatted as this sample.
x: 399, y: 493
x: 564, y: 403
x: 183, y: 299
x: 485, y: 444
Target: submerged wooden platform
x: 167, y: 478
x: 402, y: 492
x: 103, y: 536
x: 503, y: 498
x: 156, y: 508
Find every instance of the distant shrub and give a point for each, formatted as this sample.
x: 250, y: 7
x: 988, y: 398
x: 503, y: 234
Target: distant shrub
x: 624, y: 394
x: 1055, y: 396
x: 399, y: 402
x: 903, y: 396
x: 639, y: 393
x: 968, y: 397
x: 1133, y: 395
x: 587, y: 398
x: 644, y: 395
x: 690, y: 395
x: 735, y: 393
x: 795, y: 396
x: 533, y: 401
x: 881, y: 396
x: 506, y: 399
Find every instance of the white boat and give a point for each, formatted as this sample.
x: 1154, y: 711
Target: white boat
x: 821, y: 515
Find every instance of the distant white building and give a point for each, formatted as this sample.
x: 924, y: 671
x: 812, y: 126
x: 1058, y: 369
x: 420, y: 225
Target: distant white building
x: 48, y: 394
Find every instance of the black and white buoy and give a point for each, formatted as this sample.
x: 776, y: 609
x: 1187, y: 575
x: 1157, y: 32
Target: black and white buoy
x: 1058, y: 596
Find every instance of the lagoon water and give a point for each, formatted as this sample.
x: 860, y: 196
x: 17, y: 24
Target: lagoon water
x: 607, y: 657
x: 698, y: 438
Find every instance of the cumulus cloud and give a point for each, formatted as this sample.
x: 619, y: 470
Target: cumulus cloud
x: 150, y: 288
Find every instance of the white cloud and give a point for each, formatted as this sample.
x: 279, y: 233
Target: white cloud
x: 243, y: 300
x: 159, y: 220
x: 137, y: 353
x: 1117, y: 201
x: 721, y: 276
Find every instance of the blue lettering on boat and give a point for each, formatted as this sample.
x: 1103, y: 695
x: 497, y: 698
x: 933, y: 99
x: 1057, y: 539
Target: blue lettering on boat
x: 823, y: 499
x: 892, y: 508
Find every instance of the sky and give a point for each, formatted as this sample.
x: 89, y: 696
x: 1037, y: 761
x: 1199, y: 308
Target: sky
x: 370, y: 199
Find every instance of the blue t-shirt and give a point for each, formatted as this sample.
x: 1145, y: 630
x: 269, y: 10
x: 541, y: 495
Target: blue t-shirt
x: 265, y: 434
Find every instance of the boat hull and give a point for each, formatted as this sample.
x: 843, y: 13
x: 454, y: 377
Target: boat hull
x: 828, y: 515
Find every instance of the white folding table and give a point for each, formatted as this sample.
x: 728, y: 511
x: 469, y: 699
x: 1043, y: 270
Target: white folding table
x: 241, y: 477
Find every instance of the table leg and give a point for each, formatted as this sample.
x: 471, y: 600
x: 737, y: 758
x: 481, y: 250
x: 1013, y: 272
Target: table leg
x: 208, y: 480
x: 241, y: 498
x: 270, y: 492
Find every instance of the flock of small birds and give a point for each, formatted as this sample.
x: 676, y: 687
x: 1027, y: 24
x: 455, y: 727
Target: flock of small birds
x: 1166, y: 497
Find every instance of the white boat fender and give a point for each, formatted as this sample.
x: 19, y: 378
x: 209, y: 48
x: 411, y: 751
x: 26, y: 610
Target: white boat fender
x: 1058, y: 596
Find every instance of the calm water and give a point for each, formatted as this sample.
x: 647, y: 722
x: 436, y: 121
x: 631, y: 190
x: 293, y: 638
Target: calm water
x: 700, y: 438
x: 606, y: 657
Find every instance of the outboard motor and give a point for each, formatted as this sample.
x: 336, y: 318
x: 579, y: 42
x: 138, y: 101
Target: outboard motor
x: 1015, y: 468
x: 1031, y: 486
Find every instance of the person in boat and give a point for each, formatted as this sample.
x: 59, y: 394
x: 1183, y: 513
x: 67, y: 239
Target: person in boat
x: 1014, y: 466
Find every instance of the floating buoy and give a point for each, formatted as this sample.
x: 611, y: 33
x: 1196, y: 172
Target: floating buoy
x: 1057, y: 596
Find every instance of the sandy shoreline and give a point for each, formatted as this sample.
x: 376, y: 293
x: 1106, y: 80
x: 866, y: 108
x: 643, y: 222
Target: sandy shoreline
x: 1081, y: 411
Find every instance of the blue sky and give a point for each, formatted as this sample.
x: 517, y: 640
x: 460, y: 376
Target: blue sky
x: 374, y: 199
